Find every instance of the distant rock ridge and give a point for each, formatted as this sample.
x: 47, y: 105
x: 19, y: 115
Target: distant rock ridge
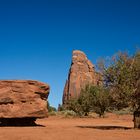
x: 81, y: 73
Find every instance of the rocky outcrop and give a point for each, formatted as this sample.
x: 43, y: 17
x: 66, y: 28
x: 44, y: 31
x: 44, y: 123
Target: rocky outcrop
x: 81, y: 73
x: 23, y: 99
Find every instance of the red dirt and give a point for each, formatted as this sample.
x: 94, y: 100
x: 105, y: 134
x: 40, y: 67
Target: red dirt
x: 57, y: 128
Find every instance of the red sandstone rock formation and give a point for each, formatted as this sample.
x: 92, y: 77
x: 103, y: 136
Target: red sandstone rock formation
x: 23, y: 99
x: 81, y: 73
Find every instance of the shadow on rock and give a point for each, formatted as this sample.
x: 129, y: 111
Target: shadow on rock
x: 106, y: 127
x: 19, y: 122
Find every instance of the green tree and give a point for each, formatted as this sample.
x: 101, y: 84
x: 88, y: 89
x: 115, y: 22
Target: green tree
x: 50, y: 108
x: 122, y: 78
x: 92, y: 98
x: 85, y: 99
x: 101, y: 100
x: 136, y: 82
x: 73, y: 105
x: 96, y: 98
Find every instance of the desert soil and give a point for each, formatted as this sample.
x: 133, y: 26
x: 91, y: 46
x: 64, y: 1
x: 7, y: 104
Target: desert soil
x: 112, y: 127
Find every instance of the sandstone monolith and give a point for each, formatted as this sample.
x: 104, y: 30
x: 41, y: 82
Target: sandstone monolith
x: 81, y: 73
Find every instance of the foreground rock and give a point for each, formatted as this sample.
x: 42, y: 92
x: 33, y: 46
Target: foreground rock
x: 22, y: 101
x: 82, y: 72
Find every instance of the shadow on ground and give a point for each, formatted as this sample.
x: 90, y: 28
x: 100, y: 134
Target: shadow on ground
x: 106, y: 127
x: 19, y: 122
x: 21, y: 125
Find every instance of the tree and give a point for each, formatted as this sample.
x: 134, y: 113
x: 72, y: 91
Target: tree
x: 92, y: 98
x: 50, y: 108
x: 122, y: 78
x: 136, y: 82
x: 101, y: 100
x: 73, y: 105
x: 85, y: 100
x: 97, y: 99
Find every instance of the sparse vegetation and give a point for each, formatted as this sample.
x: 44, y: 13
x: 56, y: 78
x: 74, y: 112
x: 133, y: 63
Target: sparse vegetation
x: 124, y: 111
x: 53, y: 113
x: 50, y: 108
x: 67, y: 113
x: 119, y: 93
x: 60, y: 107
x: 92, y: 98
x: 122, y: 78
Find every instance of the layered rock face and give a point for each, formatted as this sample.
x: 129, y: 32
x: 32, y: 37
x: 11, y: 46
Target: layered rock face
x: 81, y: 73
x: 23, y: 99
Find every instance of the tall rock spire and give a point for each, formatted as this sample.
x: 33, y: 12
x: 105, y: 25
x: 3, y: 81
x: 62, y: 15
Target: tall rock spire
x: 81, y: 73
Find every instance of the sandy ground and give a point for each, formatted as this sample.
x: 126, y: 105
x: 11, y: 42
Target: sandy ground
x: 58, y: 128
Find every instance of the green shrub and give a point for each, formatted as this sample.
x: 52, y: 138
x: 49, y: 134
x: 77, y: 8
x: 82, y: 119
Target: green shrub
x: 67, y: 113
x: 60, y: 107
x: 50, y: 108
x: 52, y: 113
x: 123, y: 111
x: 92, y: 98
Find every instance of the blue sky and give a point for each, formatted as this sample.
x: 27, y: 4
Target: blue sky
x: 37, y: 37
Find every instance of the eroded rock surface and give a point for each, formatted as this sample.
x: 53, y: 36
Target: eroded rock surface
x: 23, y: 99
x: 81, y: 73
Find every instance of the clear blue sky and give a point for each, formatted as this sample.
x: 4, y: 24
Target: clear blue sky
x: 37, y: 37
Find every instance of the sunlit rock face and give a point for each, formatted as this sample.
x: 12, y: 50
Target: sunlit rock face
x: 81, y: 73
x: 23, y: 99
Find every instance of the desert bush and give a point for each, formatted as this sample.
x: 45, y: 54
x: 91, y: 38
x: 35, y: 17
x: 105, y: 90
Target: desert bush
x: 60, y: 107
x: 73, y: 105
x: 92, y: 98
x: 124, y: 111
x: 50, y: 108
x: 95, y: 98
x: 67, y: 113
x: 52, y: 113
